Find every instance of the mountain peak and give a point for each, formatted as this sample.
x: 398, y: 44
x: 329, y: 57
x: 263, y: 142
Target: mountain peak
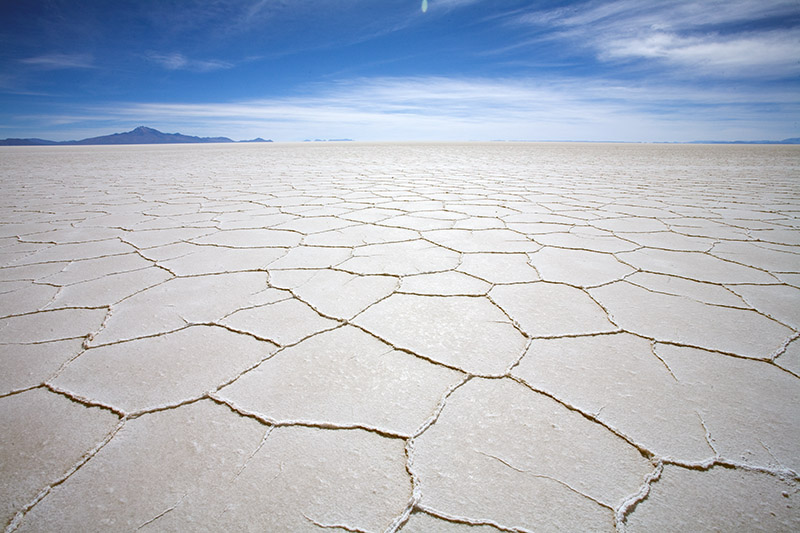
x: 138, y: 135
x: 145, y: 135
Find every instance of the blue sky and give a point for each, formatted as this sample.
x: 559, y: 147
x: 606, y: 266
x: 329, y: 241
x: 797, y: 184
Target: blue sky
x: 628, y: 70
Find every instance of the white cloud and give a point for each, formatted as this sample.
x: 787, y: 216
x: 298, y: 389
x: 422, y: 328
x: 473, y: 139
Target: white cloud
x: 178, y: 61
x: 677, y: 15
x: 60, y: 61
x: 750, y: 54
x: 450, y: 4
x: 703, y: 38
x: 436, y: 108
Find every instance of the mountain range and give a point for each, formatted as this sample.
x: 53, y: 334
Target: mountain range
x: 140, y: 135
x: 145, y: 135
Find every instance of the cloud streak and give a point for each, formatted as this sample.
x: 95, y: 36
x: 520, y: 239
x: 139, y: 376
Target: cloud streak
x: 438, y: 108
x: 703, y: 38
x: 178, y: 61
x: 60, y: 61
x: 744, y: 55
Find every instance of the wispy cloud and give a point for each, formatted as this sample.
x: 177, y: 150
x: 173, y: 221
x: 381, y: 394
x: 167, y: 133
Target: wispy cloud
x: 431, y: 108
x: 705, y: 36
x: 451, y: 4
x: 178, y: 61
x: 753, y: 54
x: 678, y: 15
x: 60, y: 61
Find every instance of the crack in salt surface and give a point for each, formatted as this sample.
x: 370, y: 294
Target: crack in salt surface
x: 630, y: 503
x: 163, y: 513
x: 301, y: 423
x: 709, y: 438
x: 416, y: 490
x: 542, y: 476
x: 343, y: 527
x: 654, y: 351
x: 20, y: 515
x: 469, y: 521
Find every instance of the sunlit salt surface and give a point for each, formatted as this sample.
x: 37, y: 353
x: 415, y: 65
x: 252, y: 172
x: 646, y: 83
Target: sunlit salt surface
x: 414, y: 337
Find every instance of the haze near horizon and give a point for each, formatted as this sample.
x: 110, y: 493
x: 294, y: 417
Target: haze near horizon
x: 403, y: 70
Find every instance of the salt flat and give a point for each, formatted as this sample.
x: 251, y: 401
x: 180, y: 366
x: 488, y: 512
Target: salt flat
x: 413, y: 337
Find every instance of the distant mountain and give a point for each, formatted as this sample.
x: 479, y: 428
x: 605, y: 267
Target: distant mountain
x: 145, y: 135
x: 257, y: 140
x: 141, y: 135
x: 26, y: 142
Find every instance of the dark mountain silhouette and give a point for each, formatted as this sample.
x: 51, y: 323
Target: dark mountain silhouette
x: 145, y: 135
x: 26, y: 142
x: 141, y: 135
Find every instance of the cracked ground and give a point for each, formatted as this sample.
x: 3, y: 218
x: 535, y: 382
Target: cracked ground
x: 473, y: 337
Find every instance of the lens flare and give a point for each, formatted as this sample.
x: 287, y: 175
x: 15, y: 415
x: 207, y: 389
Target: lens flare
x: 424, y: 6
